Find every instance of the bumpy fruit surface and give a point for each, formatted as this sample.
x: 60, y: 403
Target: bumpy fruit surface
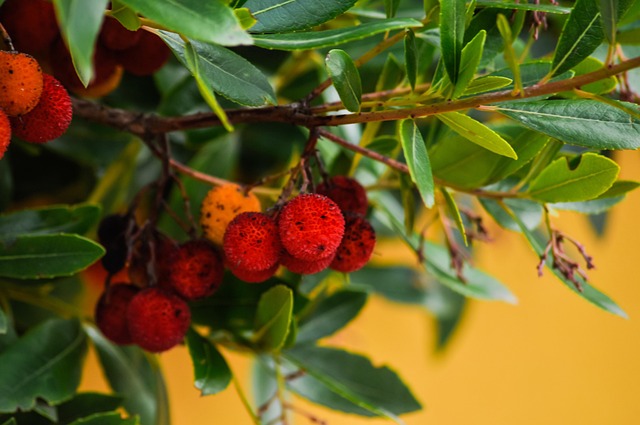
x: 254, y: 276
x: 158, y: 319
x: 311, y: 227
x: 299, y: 266
x: 51, y: 116
x: 111, y: 312
x: 20, y: 83
x: 347, y: 192
x: 31, y: 24
x: 146, y: 56
x: 357, y: 245
x: 5, y: 133
x: 220, y: 206
x: 251, y: 242
x: 195, y: 270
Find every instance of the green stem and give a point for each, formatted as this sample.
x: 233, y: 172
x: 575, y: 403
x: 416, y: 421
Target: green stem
x: 244, y: 399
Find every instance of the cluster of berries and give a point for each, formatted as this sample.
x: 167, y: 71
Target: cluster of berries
x: 33, y: 28
x: 33, y: 106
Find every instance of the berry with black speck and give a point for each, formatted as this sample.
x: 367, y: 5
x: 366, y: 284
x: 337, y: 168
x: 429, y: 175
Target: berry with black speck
x: 20, y: 83
x: 251, y: 242
x: 357, y: 245
x: 195, y: 270
x: 311, y: 226
x: 158, y: 319
x: 296, y: 265
x: 5, y: 133
x: 111, y: 312
x: 347, y: 192
x: 250, y: 276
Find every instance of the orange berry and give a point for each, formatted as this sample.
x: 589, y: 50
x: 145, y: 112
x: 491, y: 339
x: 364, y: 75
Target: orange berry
x: 20, y: 83
x: 220, y: 206
x: 5, y: 133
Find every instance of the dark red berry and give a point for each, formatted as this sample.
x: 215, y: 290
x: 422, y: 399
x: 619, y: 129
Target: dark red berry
x: 195, y: 269
x: 111, y: 312
x: 251, y: 242
x: 299, y: 266
x: 357, y: 245
x: 347, y: 192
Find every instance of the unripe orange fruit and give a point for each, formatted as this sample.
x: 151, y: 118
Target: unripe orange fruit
x: 220, y: 206
x: 5, y: 133
x: 20, y: 83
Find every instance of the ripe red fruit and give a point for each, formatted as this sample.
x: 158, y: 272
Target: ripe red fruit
x: 146, y: 56
x: 111, y: 312
x: 299, y: 266
x: 51, y: 116
x: 357, y: 245
x: 311, y: 227
x: 347, y: 192
x: 194, y: 270
x: 158, y: 319
x: 31, y: 24
x: 251, y: 242
x: 114, y: 36
x: 254, y: 276
x: 5, y: 133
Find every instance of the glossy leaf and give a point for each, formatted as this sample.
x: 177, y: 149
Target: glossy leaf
x: 391, y: 7
x: 415, y: 153
x: 486, y: 84
x: 452, y: 22
x: 330, y: 315
x: 469, y: 61
x: 581, y: 35
x: 212, y: 374
x: 47, y: 256
x: 454, y: 212
x: 546, y: 8
x: 602, y: 86
x: 345, y: 78
x: 111, y: 418
x: 44, y: 364
x: 510, y: 57
x: 80, y: 23
x: 410, y: 57
x: 477, y: 133
x: 273, y: 318
x: 125, y: 15
x: 529, y: 212
x: 609, y: 14
x: 132, y: 375
x: 581, y: 179
x: 48, y: 220
x: 206, y: 20
x: 332, y: 37
x: 294, y: 15
x: 349, y: 382
x: 579, y: 122
x: 86, y: 404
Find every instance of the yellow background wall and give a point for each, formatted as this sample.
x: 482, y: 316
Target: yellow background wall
x: 551, y: 359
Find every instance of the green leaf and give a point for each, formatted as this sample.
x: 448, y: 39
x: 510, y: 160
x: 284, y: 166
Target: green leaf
x: 47, y: 220
x: 452, y: 22
x: 80, y: 23
x: 11, y: 421
x: 581, y: 179
x: 529, y: 212
x: 470, y: 58
x: 477, y: 133
x: 132, y: 375
x: 531, y: 73
x: 245, y: 18
x: 330, y: 315
x: 212, y: 374
x: 602, y: 86
x: 391, y: 7
x: 546, y: 8
x: 111, y: 418
x: 454, y: 212
x: 206, y: 20
x: 581, y: 35
x: 332, y: 37
x: 609, y: 14
x: 349, y: 382
x: 510, y: 56
x: 47, y: 256
x: 410, y: 58
x: 273, y: 318
x: 125, y: 15
x: 581, y: 122
x: 487, y: 83
x: 589, y: 293
x: 293, y: 15
x: 45, y: 363
x: 86, y: 404
x: 345, y: 77
x: 415, y: 153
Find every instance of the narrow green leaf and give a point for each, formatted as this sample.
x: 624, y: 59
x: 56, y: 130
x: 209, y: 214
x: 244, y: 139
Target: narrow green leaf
x: 415, y: 153
x: 330, y: 315
x: 125, y: 15
x: 510, y: 56
x: 391, y: 7
x: 273, y: 318
x: 454, y: 212
x: 345, y: 78
x: 602, y: 86
x: 349, y: 382
x: 530, y: 212
x: 11, y: 421
x: 4, y: 323
x: 477, y: 133
x: 332, y: 37
x: 609, y: 14
x: 486, y: 83
x: 470, y: 58
x: 209, y: 21
x: 620, y: 188
x: 581, y: 180
x: 293, y: 15
x: 452, y: 22
x: 80, y: 23
x: 212, y: 374
x: 45, y: 363
x: 408, y: 199
x: 110, y: 418
x: 86, y: 404
x: 245, y: 18
x: 47, y: 256
x: 546, y: 8
x: 410, y: 58
x: 581, y: 122
x: 581, y: 35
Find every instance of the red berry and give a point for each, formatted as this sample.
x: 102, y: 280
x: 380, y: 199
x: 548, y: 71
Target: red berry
x: 254, y: 276
x: 299, y: 266
x: 111, y: 312
x: 31, y: 24
x: 114, y: 36
x: 251, y: 242
x: 195, y: 270
x: 51, y: 116
x: 5, y: 133
x: 158, y: 319
x: 146, y: 56
x: 348, y: 193
x: 311, y: 227
x: 357, y: 245
x: 104, y: 66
